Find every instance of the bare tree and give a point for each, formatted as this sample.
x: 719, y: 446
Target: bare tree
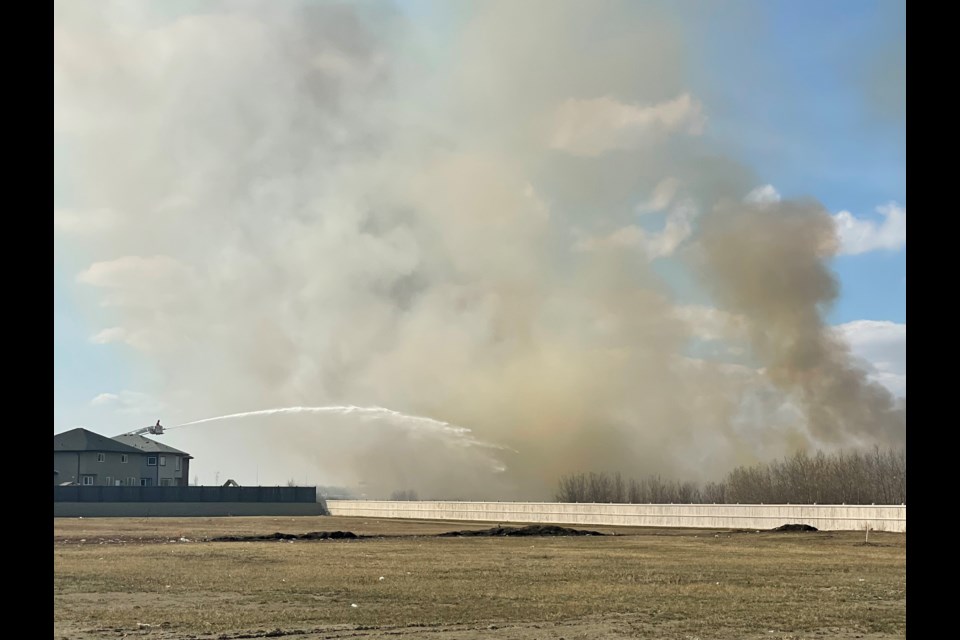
x: 405, y: 495
x: 618, y: 489
x: 853, y: 477
x: 599, y: 487
x: 573, y: 488
x: 714, y: 493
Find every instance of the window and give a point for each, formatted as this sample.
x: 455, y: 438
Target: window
x: 123, y: 458
x: 152, y: 461
x: 131, y: 481
x: 176, y: 462
x: 166, y: 482
x: 146, y: 482
x: 108, y: 481
x: 86, y: 480
x: 101, y: 457
x: 163, y: 461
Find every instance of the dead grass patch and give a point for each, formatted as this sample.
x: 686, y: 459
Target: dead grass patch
x: 693, y: 582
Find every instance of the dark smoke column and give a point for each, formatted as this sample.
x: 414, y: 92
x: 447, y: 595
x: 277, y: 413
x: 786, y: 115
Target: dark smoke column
x: 768, y: 263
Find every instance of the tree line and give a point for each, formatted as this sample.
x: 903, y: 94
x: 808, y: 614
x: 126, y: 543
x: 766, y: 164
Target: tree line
x: 844, y: 477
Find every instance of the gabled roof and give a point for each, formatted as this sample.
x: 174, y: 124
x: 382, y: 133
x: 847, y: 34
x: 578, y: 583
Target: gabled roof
x: 81, y: 439
x: 146, y: 444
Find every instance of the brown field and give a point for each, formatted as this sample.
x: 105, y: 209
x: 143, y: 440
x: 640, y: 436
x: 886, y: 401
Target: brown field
x: 115, y: 576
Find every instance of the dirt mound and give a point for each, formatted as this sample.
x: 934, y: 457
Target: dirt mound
x: 531, y: 530
x: 313, y: 535
x: 795, y: 527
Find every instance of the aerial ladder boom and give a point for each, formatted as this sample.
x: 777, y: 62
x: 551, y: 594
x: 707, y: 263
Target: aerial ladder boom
x: 154, y: 429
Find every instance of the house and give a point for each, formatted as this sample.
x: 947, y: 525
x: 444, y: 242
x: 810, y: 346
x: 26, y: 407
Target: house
x: 169, y: 466
x: 83, y: 457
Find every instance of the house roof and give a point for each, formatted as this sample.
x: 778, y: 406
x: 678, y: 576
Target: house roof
x: 146, y: 444
x: 81, y: 439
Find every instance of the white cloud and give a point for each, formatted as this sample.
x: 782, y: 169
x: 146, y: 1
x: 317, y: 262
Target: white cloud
x: 104, y: 399
x: 128, y: 402
x: 132, y: 271
x: 80, y: 221
x: 137, y: 339
x: 662, y: 196
x: 765, y: 194
x: 882, y: 348
x: 111, y: 334
x: 594, y: 126
x: 149, y: 292
x: 678, y: 227
x: 136, y: 281
x: 858, y: 235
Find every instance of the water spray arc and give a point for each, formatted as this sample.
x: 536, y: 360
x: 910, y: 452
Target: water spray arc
x: 461, y: 435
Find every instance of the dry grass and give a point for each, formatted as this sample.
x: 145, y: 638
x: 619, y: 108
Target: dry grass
x: 147, y: 529
x: 686, y: 584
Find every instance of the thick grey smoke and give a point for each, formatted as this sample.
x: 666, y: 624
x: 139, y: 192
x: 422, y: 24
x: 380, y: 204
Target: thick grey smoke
x: 285, y: 204
x: 766, y: 262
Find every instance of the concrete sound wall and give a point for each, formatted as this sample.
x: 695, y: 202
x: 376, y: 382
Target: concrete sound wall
x: 709, y: 516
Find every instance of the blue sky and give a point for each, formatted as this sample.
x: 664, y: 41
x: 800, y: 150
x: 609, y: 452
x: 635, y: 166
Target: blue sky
x: 807, y: 95
x: 795, y: 93
x: 788, y: 94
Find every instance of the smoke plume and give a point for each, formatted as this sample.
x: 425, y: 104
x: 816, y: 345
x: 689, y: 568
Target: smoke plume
x: 767, y: 263
x: 307, y: 204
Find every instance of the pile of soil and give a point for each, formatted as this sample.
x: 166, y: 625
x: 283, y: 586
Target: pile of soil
x: 531, y: 530
x: 499, y: 531
x: 313, y: 535
x: 795, y: 527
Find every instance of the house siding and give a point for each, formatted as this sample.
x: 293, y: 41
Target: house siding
x: 167, y: 475
x: 73, y: 465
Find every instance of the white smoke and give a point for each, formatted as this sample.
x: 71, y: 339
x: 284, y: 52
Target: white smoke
x: 309, y: 205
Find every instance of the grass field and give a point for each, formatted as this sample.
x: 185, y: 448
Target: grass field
x: 115, y: 576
